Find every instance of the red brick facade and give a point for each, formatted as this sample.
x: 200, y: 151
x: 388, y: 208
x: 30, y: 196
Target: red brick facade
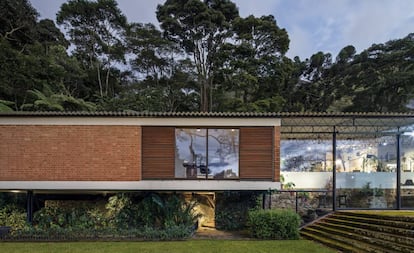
x: 70, y: 153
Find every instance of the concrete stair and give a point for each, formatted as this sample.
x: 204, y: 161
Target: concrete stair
x: 354, y: 231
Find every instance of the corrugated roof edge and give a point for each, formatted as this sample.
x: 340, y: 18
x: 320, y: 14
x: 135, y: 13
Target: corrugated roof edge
x: 136, y: 114
x: 202, y: 114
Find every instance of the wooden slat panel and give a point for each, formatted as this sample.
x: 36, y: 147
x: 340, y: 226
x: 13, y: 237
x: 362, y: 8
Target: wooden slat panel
x: 256, y: 153
x: 276, y: 148
x: 158, y: 152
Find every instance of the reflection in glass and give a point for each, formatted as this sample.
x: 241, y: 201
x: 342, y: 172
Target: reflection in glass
x: 223, y: 153
x: 191, y: 153
x: 407, y: 170
x: 366, y: 172
x: 307, y: 163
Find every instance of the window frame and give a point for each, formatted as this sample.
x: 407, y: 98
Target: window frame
x: 207, y: 175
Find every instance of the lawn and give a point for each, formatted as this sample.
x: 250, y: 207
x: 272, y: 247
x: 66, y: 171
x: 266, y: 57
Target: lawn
x: 191, y: 246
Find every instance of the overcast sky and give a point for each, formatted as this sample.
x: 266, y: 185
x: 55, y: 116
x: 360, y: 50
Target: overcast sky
x: 312, y: 25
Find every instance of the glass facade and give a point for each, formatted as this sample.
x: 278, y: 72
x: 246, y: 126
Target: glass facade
x: 306, y: 163
x: 366, y: 172
x: 365, y: 168
x: 207, y: 153
x: 407, y: 170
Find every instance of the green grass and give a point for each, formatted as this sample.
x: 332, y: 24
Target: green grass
x: 191, y: 246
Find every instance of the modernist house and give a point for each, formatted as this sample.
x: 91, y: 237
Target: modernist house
x: 85, y: 152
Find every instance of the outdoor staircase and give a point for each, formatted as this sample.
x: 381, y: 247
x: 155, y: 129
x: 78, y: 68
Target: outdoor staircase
x: 353, y: 231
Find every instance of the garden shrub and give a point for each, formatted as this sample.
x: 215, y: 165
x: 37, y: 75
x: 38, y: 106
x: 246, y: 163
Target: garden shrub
x: 74, y: 234
x: 12, y: 216
x: 164, y: 211
x: 274, y: 224
x: 131, y: 216
x: 70, y: 217
x: 232, y: 208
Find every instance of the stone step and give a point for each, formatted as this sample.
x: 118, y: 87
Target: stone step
x: 342, y: 243
x: 405, y: 216
x: 407, y: 242
x: 362, y: 232
x: 370, y: 226
x: 384, y: 220
x: 371, y: 240
x: 334, y: 244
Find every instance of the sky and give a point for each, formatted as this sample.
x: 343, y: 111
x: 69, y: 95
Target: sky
x: 312, y: 25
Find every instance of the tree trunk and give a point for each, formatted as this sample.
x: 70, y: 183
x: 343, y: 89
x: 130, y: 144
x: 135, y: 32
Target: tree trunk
x: 99, y: 80
x: 107, y: 81
x: 204, y: 96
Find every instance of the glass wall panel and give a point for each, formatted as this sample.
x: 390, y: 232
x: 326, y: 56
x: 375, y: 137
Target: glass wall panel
x: 306, y: 164
x: 407, y: 170
x: 191, y: 153
x: 193, y: 161
x: 223, y: 153
x: 366, y: 172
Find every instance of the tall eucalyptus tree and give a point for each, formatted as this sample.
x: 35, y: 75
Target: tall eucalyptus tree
x: 200, y: 28
x: 96, y: 30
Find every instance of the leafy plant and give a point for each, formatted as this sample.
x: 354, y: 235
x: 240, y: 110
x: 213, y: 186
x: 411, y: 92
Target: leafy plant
x: 12, y: 216
x: 274, y: 224
x: 70, y: 234
x: 286, y: 185
x: 232, y: 208
x: 368, y: 191
x: 167, y: 211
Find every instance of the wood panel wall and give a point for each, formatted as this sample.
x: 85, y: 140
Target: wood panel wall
x: 276, y: 157
x: 256, y: 153
x: 158, y: 152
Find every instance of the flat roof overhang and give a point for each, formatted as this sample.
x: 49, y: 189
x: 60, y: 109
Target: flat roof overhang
x: 294, y: 125
x: 144, y: 185
x: 346, y: 125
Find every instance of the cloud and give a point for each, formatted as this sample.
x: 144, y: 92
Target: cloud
x: 378, y: 22
x: 142, y: 11
x: 312, y: 25
x: 47, y: 8
x: 256, y: 8
x: 300, y: 43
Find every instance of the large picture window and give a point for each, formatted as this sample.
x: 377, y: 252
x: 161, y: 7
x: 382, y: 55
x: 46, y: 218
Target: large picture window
x: 206, y: 153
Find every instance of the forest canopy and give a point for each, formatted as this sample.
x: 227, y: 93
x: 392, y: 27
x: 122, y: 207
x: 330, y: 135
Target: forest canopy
x: 203, y: 57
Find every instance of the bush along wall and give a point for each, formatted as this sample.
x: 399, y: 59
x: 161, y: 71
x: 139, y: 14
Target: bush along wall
x: 118, y: 217
x: 232, y: 208
x: 274, y: 224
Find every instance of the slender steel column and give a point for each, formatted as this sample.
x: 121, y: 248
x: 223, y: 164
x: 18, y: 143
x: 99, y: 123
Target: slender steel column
x: 398, y: 171
x: 206, y: 153
x: 334, y: 169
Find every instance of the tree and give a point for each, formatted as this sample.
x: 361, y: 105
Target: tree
x: 200, y: 28
x: 385, y: 73
x: 153, y: 55
x: 97, y: 31
x: 165, y: 80
x: 47, y: 100
x: 252, y: 70
x: 48, y: 35
x: 17, y: 22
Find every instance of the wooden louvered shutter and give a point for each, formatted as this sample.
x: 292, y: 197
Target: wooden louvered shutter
x: 256, y: 153
x: 158, y: 152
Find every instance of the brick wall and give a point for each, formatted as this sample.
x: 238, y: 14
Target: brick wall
x: 66, y: 153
